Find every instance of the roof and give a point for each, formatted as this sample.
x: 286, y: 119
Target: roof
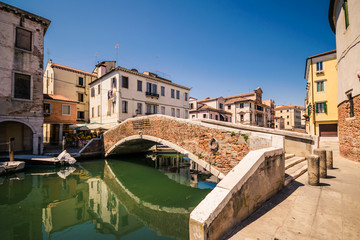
x: 208, y: 108
x: 56, y: 65
x: 235, y: 100
x: 287, y: 107
x: 323, y: 54
x: 240, y: 95
x: 58, y: 97
x: 331, y: 15
x: 118, y: 68
x: 17, y: 11
x: 208, y: 99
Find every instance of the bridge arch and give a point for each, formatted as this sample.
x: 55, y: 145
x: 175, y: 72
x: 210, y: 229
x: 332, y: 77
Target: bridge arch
x: 185, y: 136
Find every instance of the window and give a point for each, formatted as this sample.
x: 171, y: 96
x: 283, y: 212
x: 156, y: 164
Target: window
x: 124, y: 106
x: 92, y: 112
x: 22, y: 86
x: 320, y: 86
x: 346, y: 13
x: 163, y: 110
x: 320, y: 107
x: 287, y: 117
x: 229, y: 107
x: 23, y: 39
x: 287, y: 110
x: 148, y: 109
x: 80, y: 97
x: 210, y: 116
x: 177, y: 94
x: 162, y: 91
x: 47, y: 108
x: 139, y: 85
x: 92, y: 92
x: 173, y: 112
x: 178, y: 113
x: 319, y: 67
x: 99, y: 91
x: 241, y: 117
x: 250, y: 105
x: 113, y: 83
x: 154, y: 89
x: 155, y: 109
x: 216, y: 117
x: 172, y: 93
x: 80, y: 115
x: 280, y: 111
x: 288, y: 123
x: 139, y: 108
x: 80, y: 82
x: 221, y: 106
x: 65, y: 109
x: 204, y: 115
x: 98, y: 111
x: 186, y: 114
x: 125, y: 82
x: 191, y: 105
x: 186, y: 96
x: 113, y: 106
x: 242, y: 105
x: 192, y: 116
x: 351, y: 107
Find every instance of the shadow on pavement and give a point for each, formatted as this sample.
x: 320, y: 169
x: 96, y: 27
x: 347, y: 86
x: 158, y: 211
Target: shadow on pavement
x: 266, y: 207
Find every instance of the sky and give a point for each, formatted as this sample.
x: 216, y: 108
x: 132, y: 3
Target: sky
x: 216, y: 47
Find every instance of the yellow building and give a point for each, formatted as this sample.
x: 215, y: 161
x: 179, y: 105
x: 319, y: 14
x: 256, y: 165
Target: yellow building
x: 321, y: 95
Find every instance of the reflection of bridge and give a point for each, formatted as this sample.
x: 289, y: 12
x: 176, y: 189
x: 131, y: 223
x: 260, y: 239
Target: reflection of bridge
x: 185, y: 136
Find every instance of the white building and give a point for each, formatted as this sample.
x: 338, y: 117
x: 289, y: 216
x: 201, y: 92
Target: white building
x: 120, y: 93
x: 21, y: 95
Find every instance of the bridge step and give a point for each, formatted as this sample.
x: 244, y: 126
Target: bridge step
x: 293, y: 161
x: 289, y: 155
x: 294, y: 172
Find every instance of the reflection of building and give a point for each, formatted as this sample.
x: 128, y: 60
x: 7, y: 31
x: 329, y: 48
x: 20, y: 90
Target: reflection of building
x: 291, y: 115
x: 108, y: 212
x: 59, y: 114
x: 21, y: 61
x: 71, y: 83
x: 344, y: 20
x: 322, y: 113
x: 120, y: 93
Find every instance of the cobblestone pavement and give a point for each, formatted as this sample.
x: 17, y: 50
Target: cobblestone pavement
x: 301, y: 211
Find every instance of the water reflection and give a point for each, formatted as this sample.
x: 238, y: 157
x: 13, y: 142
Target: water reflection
x: 98, y: 200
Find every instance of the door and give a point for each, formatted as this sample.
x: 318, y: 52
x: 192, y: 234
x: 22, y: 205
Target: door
x: 328, y: 130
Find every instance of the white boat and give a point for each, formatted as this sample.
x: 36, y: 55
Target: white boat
x: 11, y: 166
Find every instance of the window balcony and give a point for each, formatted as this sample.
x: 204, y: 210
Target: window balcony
x: 150, y: 94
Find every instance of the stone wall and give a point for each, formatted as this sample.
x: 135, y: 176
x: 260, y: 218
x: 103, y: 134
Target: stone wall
x: 254, y: 180
x: 192, y: 136
x: 349, y: 136
x: 94, y: 148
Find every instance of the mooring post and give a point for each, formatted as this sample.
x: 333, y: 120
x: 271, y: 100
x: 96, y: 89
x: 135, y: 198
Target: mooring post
x: 11, y: 148
x: 63, y: 143
x: 322, y: 161
x: 178, y: 162
x: 329, y: 159
x: 313, y: 170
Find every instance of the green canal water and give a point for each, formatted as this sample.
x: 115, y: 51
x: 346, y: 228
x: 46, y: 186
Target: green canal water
x: 112, y: 199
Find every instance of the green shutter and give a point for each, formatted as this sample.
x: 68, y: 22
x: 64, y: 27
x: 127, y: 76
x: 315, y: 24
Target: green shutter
x: 316, y: 108
x: 325, y: 108
x: 346, y: 13
x: 309, y: 110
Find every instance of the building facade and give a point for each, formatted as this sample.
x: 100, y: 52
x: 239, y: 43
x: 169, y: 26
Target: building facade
x: 119, y: 93
x: 59, y: 113
x: 21, y: 61
x: 271, y: 104
x: 291, y: 115
x: 70, y: 83
x: 279, y: 123
x: 344, y: 20
x: 321, y: 95
x: 209, y: 108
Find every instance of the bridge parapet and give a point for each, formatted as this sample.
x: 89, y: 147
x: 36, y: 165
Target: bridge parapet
x: 186, y: 136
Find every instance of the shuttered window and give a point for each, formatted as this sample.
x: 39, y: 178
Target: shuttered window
x: 22, y: 86
x: 23, y: 39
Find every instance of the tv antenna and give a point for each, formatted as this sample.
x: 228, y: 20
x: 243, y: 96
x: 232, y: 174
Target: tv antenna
x: 117, y: 51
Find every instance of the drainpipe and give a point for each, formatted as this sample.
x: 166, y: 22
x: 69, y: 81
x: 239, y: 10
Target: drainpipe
x: 312, y: 95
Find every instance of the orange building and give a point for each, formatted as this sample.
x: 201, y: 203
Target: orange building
x: 59, y: 113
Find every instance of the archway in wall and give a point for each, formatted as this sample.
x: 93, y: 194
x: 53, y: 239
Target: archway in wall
x: 23, y: 137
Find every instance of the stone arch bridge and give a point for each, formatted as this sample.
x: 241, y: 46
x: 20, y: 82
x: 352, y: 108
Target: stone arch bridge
x: 185, y: 136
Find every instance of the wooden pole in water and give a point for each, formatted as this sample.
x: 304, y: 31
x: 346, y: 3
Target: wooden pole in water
x: 63, y: 143
x: 11, y: 148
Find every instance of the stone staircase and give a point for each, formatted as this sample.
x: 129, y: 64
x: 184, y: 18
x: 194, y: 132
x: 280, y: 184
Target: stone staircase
x: 294, y: 167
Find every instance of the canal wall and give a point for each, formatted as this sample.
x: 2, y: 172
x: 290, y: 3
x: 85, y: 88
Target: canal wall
x: 245, y: 188
x: 94, y: 148
x: 300, y: 144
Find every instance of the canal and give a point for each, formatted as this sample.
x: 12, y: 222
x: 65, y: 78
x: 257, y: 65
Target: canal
x: 129, y: 198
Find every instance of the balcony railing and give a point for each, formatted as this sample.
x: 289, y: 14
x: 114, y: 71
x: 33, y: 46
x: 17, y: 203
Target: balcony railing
x: 150, y: 94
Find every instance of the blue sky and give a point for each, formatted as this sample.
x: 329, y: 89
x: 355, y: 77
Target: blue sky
x: 216, y: 47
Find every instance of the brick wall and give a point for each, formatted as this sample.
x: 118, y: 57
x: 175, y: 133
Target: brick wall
x: 192, y: 137
x: 56, y: 113
x: 349, y: 130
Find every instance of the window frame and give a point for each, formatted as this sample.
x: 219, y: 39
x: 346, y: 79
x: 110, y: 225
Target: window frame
x: 13, y: 87
x: 162, y: 90
x: 172, y: 93
x: 80, y: 94
x: 50, y: 108
x: 139, y: 108
x: 31, y: 39
x: 98, y: 110
x: 124, y: 107
x: 62, y: 109
x: 125, y: 84
x: 139, y: 86
x: 177, y: 94
x: 317, y: 69
x: 320, y: 83
x: 78, y: 82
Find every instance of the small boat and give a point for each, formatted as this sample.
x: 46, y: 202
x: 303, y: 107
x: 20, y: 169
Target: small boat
x: 11, y: 166
x: 63, y: 159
